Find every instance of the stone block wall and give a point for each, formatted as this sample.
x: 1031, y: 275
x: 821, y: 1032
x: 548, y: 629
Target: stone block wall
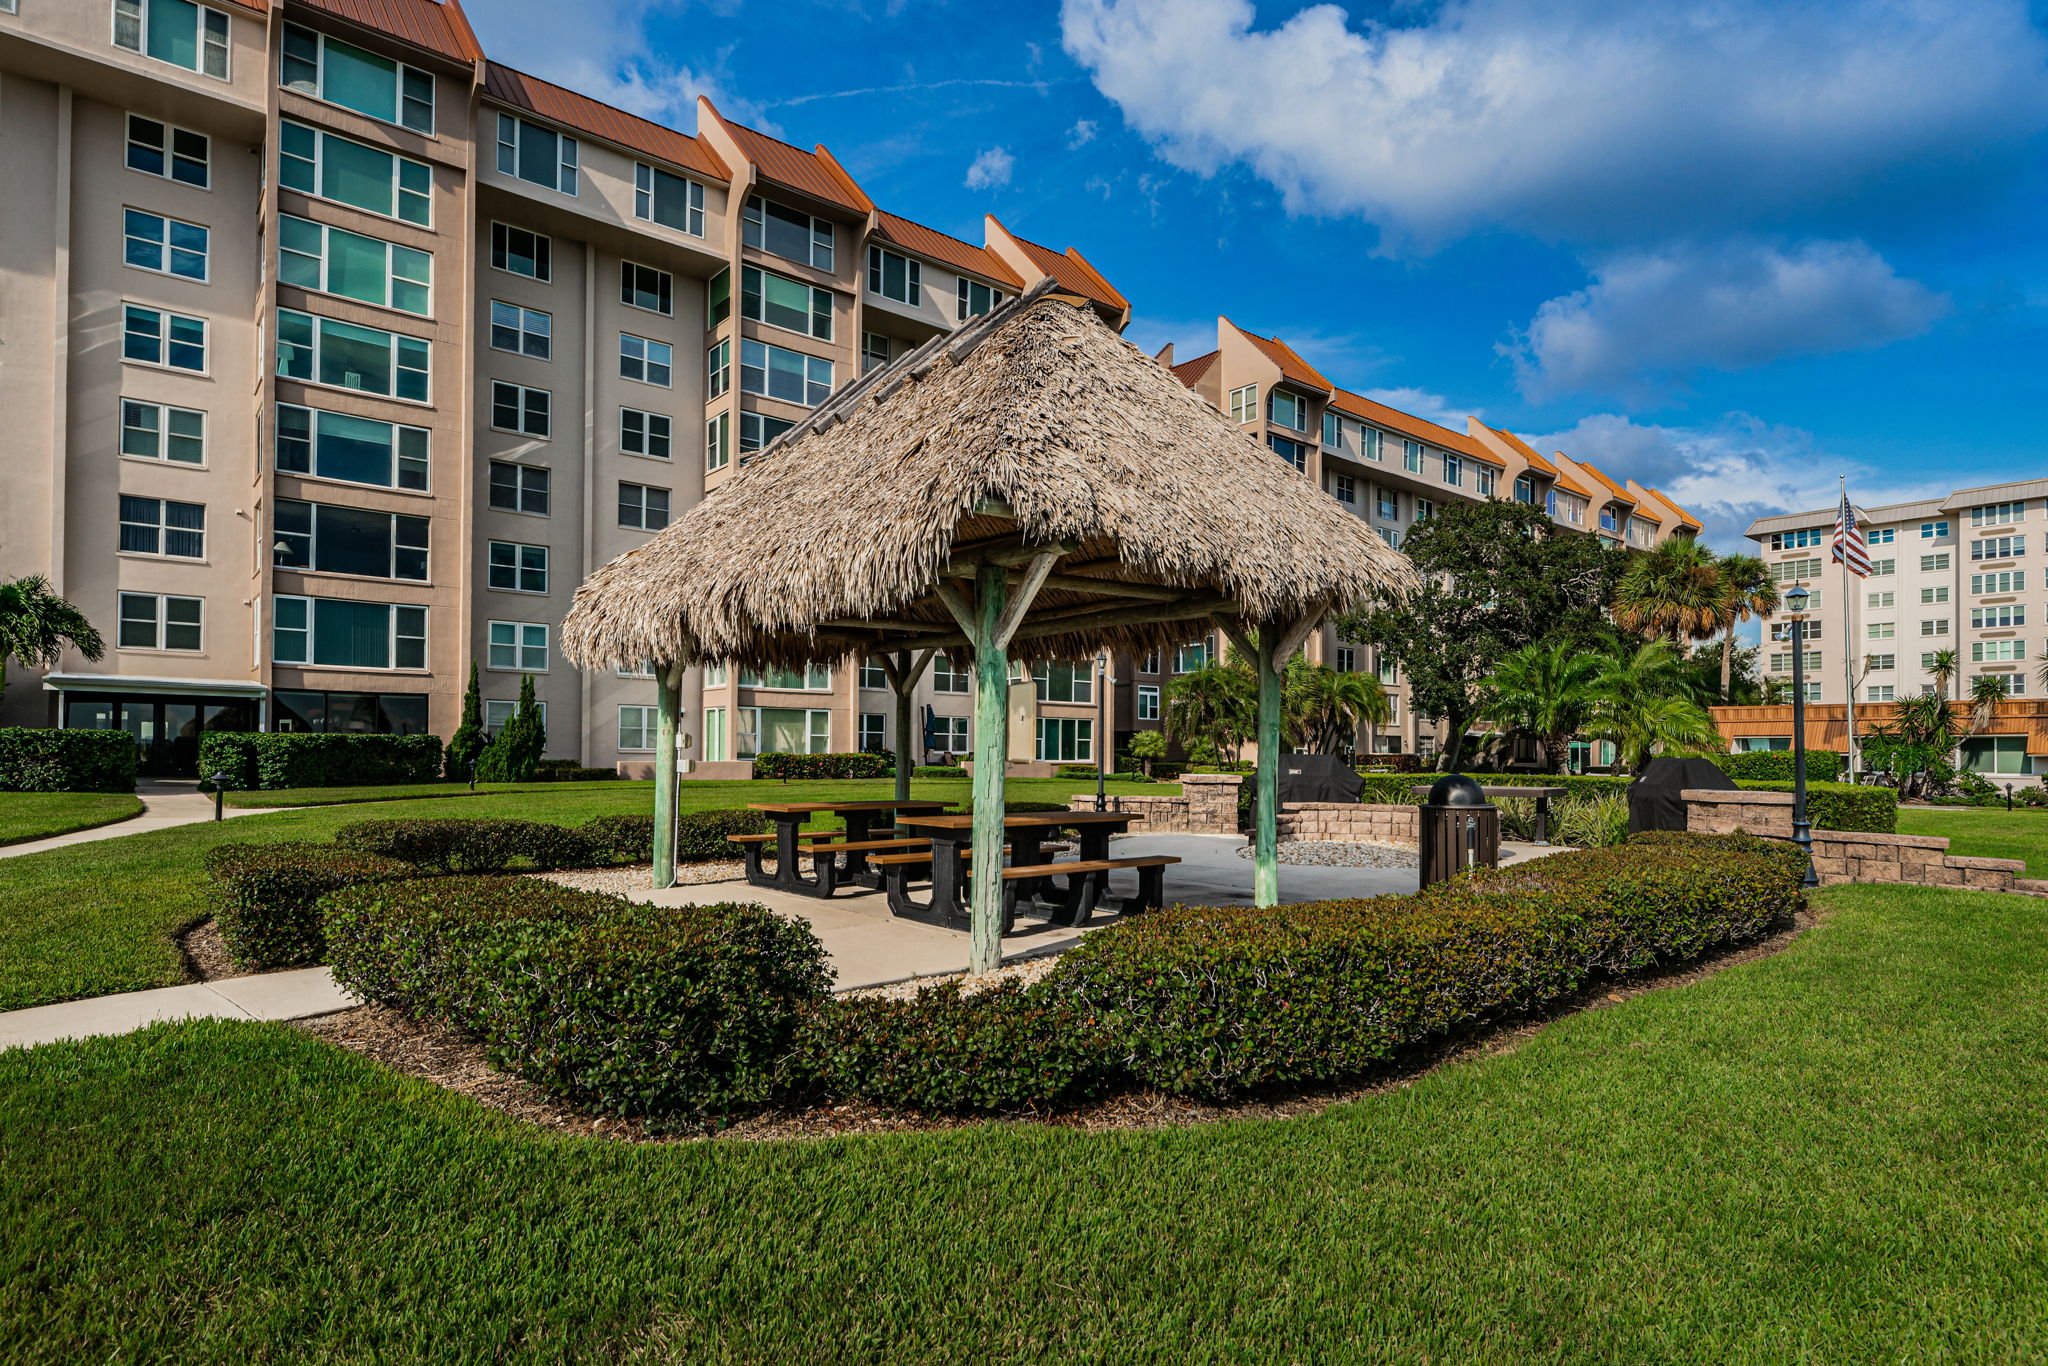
x: 1850, y: 855
x: 1207, y: 805
x: 1351, y: 823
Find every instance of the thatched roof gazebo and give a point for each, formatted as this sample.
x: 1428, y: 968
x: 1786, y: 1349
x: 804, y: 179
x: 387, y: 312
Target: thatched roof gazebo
x: 1032, y: 485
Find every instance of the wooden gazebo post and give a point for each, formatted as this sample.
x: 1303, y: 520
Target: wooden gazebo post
x: 904, y: 668
x: 1269, y: 655
x: 668, y: 691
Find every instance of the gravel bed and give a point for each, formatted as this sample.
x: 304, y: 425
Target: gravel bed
x: 1026, y: 970
x: 632, y: 881
x: 1344, y: 854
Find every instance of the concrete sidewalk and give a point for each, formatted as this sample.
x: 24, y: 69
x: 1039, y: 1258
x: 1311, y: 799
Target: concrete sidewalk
x: 164, y: 805
x: 264, y: 996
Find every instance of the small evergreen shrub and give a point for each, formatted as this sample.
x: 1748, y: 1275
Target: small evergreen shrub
x: 264, y: 897
x: 940, y: 771
x: 700, y: 835
x: 1844, y: 806
x: 299, y: 759
x: 66, y: 760
x: 786, y: 766
x: 1775, y: 765
x: 472, y: 846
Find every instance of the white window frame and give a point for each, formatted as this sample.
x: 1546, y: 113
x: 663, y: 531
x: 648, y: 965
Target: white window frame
x: 320, y: 323
x: 161, y: 527
x: 402, y: 461
x: 1148, y: 702
x: 159, y: 621
x: 160, y: 242
x: 878, y: 273
x: 643, y: 199
x: 667, y: 513
x: 516, y: 563
x: 566, y: 161
x: 754, y: 233
x: 209, y: 39
x: 393, y: 253
x: 168, y: 150
x: 393, y: 613
x: 753, y: 436
x: 717, y: 442
x: 750, y: 347
x: 521, y: 642
x: 646, y: 437
x: 1997, y: 582
x: 629, y: 293
x: 639, y: 724
x: 718, y: 368
x: 163, y: 413
x: 312, y: 536
x: 318, y: 162
x: 812, y: 314
x: 499, y: 710
x: 1244, y: 404
x: 399, y: 79
x: 543, y: 254
x: 518, y: 320
x: 2004, y: 617
x: 660, y: 373
x: 521, y: 488
x: 969, y: 291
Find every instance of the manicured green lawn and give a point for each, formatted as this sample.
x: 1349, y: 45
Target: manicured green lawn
x: 1834, y: 1155
x: 101, y: 918
x: 1984, y: 832
x: 340, y: 796
x: 28, y: 816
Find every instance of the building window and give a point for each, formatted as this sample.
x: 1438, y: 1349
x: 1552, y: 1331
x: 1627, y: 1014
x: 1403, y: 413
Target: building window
x: 2015, y: 685
x: 1333, y: 431
x: 348, y: 635
x: 161, y: 149
x: 768, y: 226
x: 1781, y: 662
x: 1344, y: 488
x: 1384, y: 668
x: 1482, y: 480
x: 330, y: 166
x: 1997, y: 651
x: 1387, y: 504
x: 1795, y: 571
x: 874, y: 732
x: 1347, y: 659
x: 1148, y: 663
x: 174, y: 31
x: 2005, y: 754
x: 872, y: 674
x: 521, y: 252
x: 718, y: 442
x: 642, y: 508
x: 1880, y: 692
x: 648, y: 362
x: 895, y: 277
x: 1998, y: 514
x: 714, y: 674
x: 346, y: 356
x: 1411, y: 456
x: 516, y: 408
x: 668, y: 199
x: 791, y: 376
x: 518, y: 646
x: 814, y: 678
x: 1287, y: 410
x: 327, y: 69
x: 498, y: 711
x: 642, y: 433
x: 638, y: 727
x: 718, y: 369
x: 783, y: 730
x: 1934, y: 626
x: 1610, y: 520
x: 712, y: 740
x: 1525, y: 489
x: 355, y: 450
x: 975, y: 299
x: 1881, y: 663
x: 1371, y: 444
x: 646, y: 288
x: 1192, y: 656
x: 1148, y: 702
x: 367, y: 269
x: 150, y: 621
x: 1883, y: 568
x: 1999, y: 548
x: 1931, y: 564
x: 1293, y: 452
x: 1390, y: 536
x: 1782, y: 630
x: 874, y: 351
x: 1244, y: 404
x: 949, y: 677
x: 788, y: 304
x: 757, y: 430
x: 157, y: 526
x: 538, y: 155
x: 2002, y: 581
x: 1998, y: 618
x: 522, y: 331
x: 718, y: 299
x: 1881, y: 599
x: 949, y: 735
x: 1066, y: 739
x: 518, y: 568
x: 519, y: 488
x: 1454, y: 471
x: 157, y: 431
x: 1425, y: 508
x: 1879, y: 630
x: 342, y: 540
x: 1065, y: 682
x: 154, y: 337
x: 1928, y: 595
x: 1933, y: 531
x: 1798, y: 540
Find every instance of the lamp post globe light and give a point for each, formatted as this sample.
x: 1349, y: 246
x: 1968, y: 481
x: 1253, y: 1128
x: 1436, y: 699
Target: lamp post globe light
x: 1796, y: 601
x: 1102, y: 736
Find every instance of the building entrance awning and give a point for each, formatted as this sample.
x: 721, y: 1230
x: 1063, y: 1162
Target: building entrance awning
x: 132, y: 685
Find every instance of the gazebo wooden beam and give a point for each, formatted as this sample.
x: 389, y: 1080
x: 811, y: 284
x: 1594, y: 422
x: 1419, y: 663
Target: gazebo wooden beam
x: 1113, y: 588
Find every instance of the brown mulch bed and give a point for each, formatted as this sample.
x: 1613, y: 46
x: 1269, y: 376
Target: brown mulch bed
x: 448, y: 1058
x: 206, y: 957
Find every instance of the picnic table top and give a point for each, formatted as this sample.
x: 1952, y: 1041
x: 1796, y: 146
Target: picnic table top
x: 965, y: 820
x: 887, y: 804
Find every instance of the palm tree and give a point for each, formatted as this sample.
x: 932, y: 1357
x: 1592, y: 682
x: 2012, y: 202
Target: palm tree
x: 1547, y: 690
x: 1943, y: 665
x: 1673, y: 592
x: 37, y: 626
x: 1986, y: 692
x: 1218, y: 702
x: 1644, y: 706
x: 1747, y: 590
x: 1324, y: 707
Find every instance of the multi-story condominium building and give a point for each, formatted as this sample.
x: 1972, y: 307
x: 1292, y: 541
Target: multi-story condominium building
x: 1946, y: 574
x: 334, y: 355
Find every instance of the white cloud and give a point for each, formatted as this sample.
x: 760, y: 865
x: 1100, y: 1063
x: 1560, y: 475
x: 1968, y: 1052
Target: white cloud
x: 1587, y: 121
x: 1653, y: 317
x: 1081, y: 134
x: 991, y: 170
x: 1423, y: 404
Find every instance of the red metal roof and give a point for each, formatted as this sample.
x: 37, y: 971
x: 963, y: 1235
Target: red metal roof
x: 951, y: 251
x: 1070, y: 270
x: 439, y: 26
x: 1292, y: 366
x: 586, y: 115
x: 816, y: 173
x: 1190, y: 372
x: 1421, y: 428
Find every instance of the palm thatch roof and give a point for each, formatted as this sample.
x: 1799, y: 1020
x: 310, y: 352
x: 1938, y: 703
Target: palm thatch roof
x: 1036, y: 427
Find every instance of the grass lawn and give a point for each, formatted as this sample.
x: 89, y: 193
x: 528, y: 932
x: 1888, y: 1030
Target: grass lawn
x: 101, y: 918
x: 343, y: 796
x: 39, y: 815
x: 1833, y: 1155
x: 1984, y: 832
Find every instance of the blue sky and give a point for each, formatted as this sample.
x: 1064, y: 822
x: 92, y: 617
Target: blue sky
x: 1734, y: 248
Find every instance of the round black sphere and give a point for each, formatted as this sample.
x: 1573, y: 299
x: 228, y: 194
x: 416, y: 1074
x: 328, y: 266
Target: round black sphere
x: 1456, y: 789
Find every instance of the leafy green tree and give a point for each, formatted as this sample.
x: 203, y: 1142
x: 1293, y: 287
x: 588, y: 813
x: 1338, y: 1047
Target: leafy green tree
x: 1495, y: 577
x: 37, y: 626
x: 1148, y: 747
x: 515, y: 754
x: 1671, y: 593
x: 1322, y: 707
x: 1548, y: 690
x: 1986, y: 692
x: 1218, y: 702
x: 1915, y: 751
x: 1645, y: 706
x: 469, y: 740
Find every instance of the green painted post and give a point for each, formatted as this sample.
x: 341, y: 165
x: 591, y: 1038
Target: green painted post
x: 991, y: 759
x: 668, y: 693
x: 1266, y: 826
x: 907, y: 753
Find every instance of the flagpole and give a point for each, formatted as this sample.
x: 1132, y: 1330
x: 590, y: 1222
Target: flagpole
x: 1849, y: 647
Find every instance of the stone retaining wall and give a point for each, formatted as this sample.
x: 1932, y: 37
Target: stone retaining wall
x: 1351, y: 823
x: 1850, y: 855
x: 1207, y: 805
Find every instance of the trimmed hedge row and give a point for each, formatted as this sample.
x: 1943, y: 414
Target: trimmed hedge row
x: 66, y: 760
x: 1775, y: 765
x: 1844, y: 806
x: 787, y: 766
x: 472, y: 846
x: 262, y: 760
x: 617, y: 1007
x: 265, y: 897
x: 700, y: 835
x: 1399, y: 788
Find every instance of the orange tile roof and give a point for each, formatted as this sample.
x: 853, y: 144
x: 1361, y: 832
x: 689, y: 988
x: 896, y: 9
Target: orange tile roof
x: 439, y: 26
x: 1421, y: 428
x: 1070, y: 270
x: 1685, y: 518
x: 946, y: 250
x: 815, y: 173
x: 1190, y: 372
x: 1620, y: 494
x: 1565, y: 480
x: 1525, y: 450
x: 586, y: 115
x: 1292, y: 366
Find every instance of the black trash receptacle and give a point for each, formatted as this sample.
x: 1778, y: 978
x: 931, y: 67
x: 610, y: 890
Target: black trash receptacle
x: 1460, y: 829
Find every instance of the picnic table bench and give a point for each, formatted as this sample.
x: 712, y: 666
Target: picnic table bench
x: 791, y: 843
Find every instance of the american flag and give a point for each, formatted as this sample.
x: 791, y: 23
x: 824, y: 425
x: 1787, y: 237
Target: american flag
x: 1849, y: 541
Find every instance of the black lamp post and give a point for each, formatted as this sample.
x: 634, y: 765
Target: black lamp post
x: 1802, y: 829
x: 1101, y: 729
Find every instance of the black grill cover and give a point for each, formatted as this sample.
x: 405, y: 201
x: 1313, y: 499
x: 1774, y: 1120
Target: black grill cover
x: 1314, y: 778
x: 1653, y: 800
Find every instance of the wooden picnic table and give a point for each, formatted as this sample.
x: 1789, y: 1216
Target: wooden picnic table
x: 952, y: 837
x: 860, y: 817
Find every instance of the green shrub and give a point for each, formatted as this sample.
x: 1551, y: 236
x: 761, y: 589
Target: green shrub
x: 1000, y: 1049
x: 471, y: 846
x: 66, y: 760
x: 1217, y: 1001
x: 939, y: 771
x: 778, y: 764
x: 299, y: 759
x: 629, y: 839
x: 1594, y: 823
x: 1398, y: 789
x: 570, y: 771
x: 700, y: 835
x: 1775, y: 765
x: 1844, y: 806
x: 264, y: 897
x: 616, y: 1007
